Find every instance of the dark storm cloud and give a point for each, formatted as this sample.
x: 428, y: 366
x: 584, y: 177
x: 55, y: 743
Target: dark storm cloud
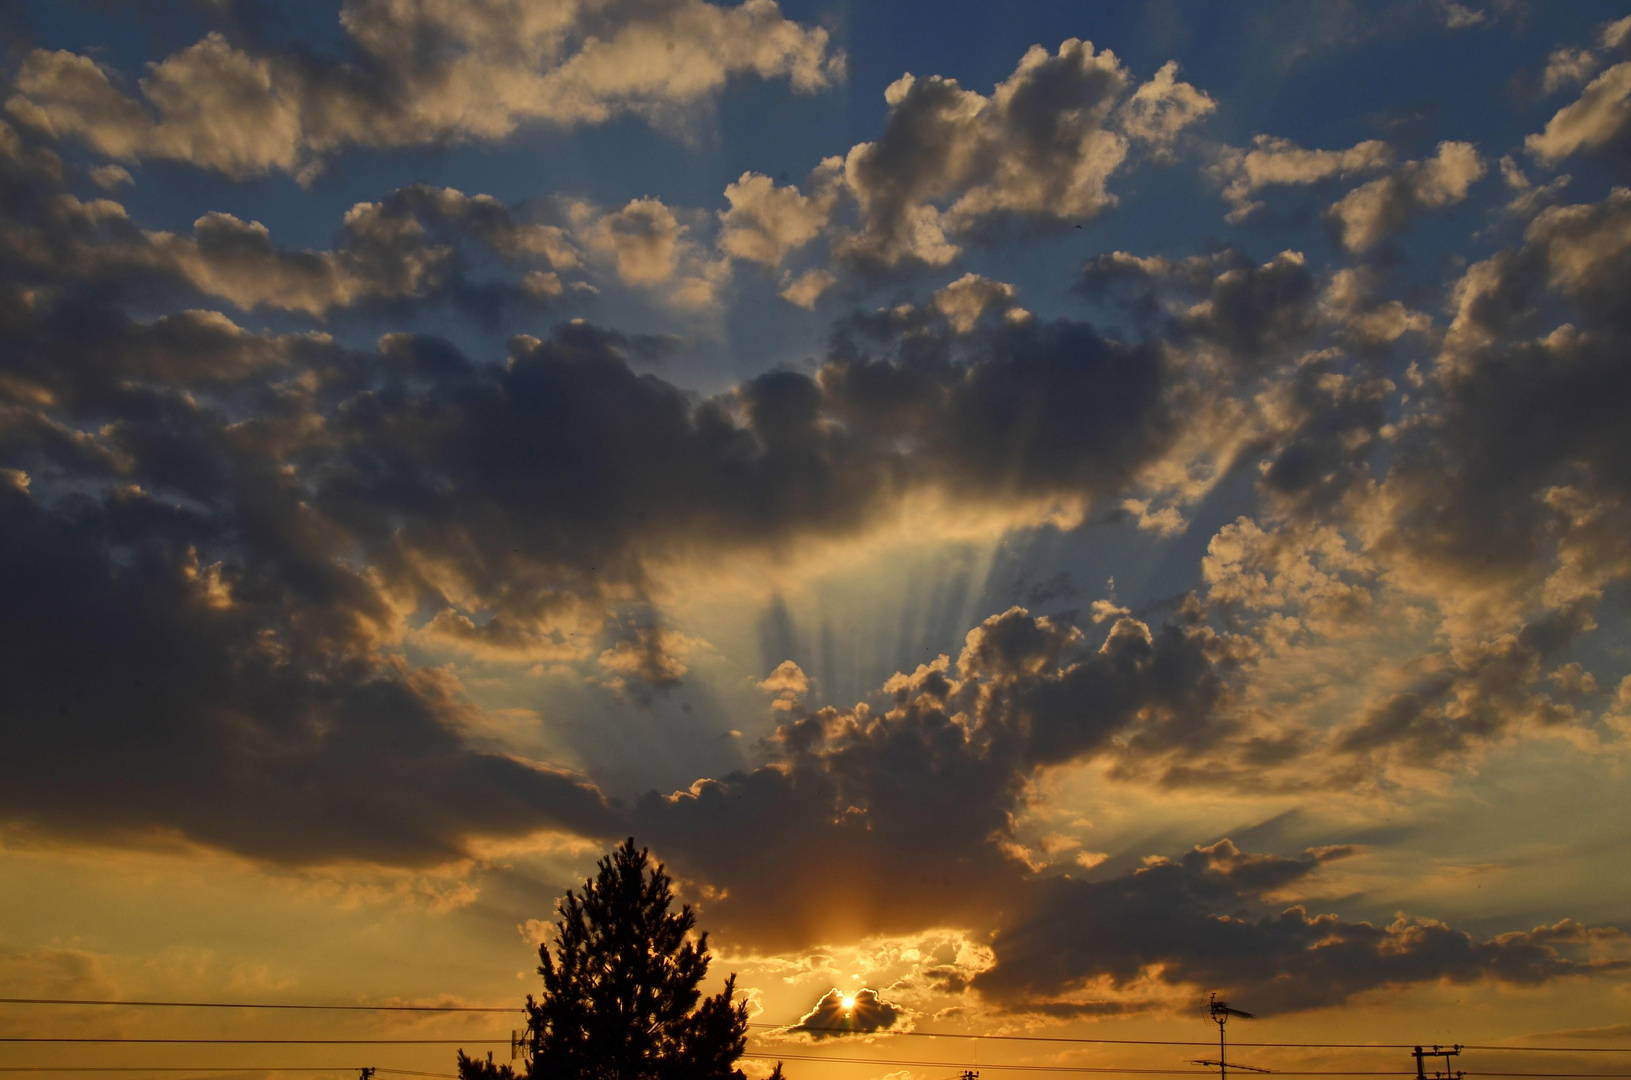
x: 830, y: 1017
x: 1499, y: 483
x: 1503, y: 489
x: 871, y: 820
x: 1035, y: 408
x: 1257, y: 313
x: 563, y: 456
x: 1319, y: 460
x: 563, y: 474
x: 249, y: 524
x: 1205, y: 920
x: 187, y: 648
x: 1524, y: 460
x: 141, y: 701
x: 1484, y: 692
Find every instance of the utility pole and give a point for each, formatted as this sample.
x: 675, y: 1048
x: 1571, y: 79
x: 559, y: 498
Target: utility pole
x: 1437, y: 1051
x: 969, y: 1074
x: 1220, y: 1013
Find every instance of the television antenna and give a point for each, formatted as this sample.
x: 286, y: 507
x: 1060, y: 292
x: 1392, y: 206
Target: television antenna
x: 1220, y: 1011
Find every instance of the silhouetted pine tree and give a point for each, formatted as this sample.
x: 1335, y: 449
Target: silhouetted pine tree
x: 621, y: 997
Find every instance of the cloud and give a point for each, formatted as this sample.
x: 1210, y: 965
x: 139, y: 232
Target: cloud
x: 416, y: 243
x: 228, y: 709
x: 607, y: 473
x: 1162, y: 108
x: 1476, y: 499
x: 953, y: 163
x: 45, y: 972
x: 1599, y: 117
x: 647, y: 659
x: 965, y: 300
x: 838, y: 1013
x: 904, y: 814
x: 218, y: 108
x: 808, y: 287
x: 291, y: 514
x: 1481, y: 692
x: 765, y: 221
x: 1257, y: 353
x: 1205, y: 920
x: 787, y: 686
x: 1311, y: 571
x: 1255, y: 314
x: 493, y: 68
x: 1594, y: 121
x: 648, y: 245
x: 1456, y: 16
x: 1485, y: 533
x: 642, y: 238
x: 1385, y: 207
x: 1615, y: 34
x: 1585, y: 245
x: 1567, y: 67
x: 110, y: 177
x: 623, y: 470
x: 1487, y: 496
x: 1277, y: 162
x: 236, y: 260
x: 1349, y: 302
x: 1528, y: 198
x: 283, y: 512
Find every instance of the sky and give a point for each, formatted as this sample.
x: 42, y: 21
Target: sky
x: 1034, y: 513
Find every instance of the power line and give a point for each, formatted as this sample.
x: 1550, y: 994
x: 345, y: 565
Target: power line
x: 258, y: 1005
x: 1465, y: 1046
x: 224, y: 1041
x: 1111, y: 1070
x: 320, y: 1041
x: 1108, y: 1069
x: 1131, y: 1071
x: 213, y: 1068
x: 839, y: 1031
x: 111, y: 1002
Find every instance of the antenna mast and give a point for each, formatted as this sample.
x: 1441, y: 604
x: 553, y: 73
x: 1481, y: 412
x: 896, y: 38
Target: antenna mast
x: 1220, y: 1013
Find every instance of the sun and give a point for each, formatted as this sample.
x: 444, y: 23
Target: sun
x: 848, y: 1003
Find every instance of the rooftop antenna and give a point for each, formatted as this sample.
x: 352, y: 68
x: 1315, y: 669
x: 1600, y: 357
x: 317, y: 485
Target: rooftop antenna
x: 1220, y: 1011
x: 1437, y: 1051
